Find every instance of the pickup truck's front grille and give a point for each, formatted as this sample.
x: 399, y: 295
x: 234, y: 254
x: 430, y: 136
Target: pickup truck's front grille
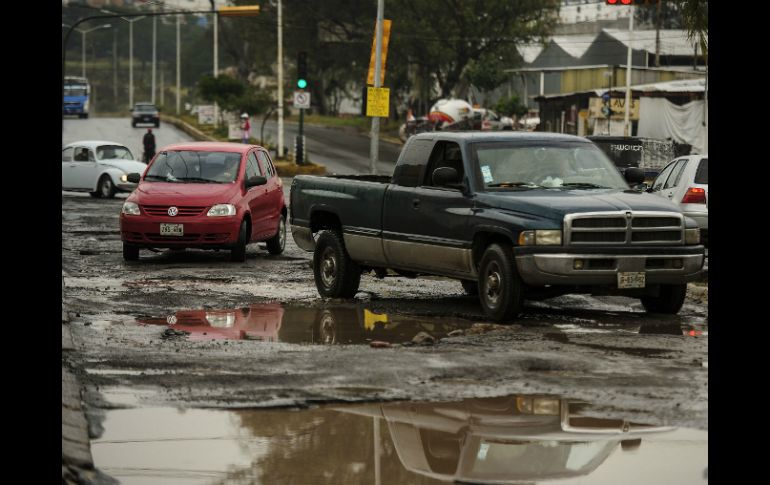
x: 623, y: 228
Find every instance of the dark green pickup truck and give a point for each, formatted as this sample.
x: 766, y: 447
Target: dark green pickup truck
x: 512, y: 215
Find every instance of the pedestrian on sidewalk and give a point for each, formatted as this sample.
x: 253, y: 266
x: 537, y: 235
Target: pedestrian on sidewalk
x: 245, y: 128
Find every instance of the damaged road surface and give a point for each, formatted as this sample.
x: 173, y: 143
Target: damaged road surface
x: 192, y: 330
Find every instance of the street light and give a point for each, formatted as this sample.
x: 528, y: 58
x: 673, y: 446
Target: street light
x: 84, y: 32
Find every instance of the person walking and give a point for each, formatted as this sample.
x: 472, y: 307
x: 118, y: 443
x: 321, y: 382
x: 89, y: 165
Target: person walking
x: 149, y: 145
x: 245, y: 128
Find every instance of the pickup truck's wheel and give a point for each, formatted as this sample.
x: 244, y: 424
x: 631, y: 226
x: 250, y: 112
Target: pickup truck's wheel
x: 500, y: 287
x: 106, y: 187
x: 130, y: 253
x: 238, y: 253
x: 336, y: 275
x: 276, y: 243
x: 669, y: 300
x: 471, y: 287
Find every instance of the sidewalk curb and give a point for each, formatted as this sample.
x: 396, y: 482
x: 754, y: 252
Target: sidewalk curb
x: 187, y: 128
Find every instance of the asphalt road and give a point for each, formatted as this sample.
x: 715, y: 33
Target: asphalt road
x: 341, y: 150
x: 191, y: 329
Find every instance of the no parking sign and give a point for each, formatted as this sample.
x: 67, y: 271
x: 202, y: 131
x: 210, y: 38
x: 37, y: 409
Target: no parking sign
x: 301, y: 99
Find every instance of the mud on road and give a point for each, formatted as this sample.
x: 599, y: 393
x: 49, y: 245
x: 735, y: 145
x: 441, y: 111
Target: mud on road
x: 192, y: 329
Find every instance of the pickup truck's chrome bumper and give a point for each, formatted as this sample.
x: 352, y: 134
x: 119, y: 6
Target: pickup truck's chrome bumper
x: 602, y: 269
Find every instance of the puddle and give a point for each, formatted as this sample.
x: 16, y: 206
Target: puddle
x: 350, y: 323
x: 512, y: 439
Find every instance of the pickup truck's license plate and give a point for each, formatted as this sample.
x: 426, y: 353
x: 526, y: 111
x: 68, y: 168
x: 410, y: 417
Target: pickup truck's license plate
x: 631, y: 280
x: 172, y: 229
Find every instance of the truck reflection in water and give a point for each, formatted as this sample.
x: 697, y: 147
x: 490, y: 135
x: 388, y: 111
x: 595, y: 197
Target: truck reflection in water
x: 349, y: 323
x: 503, y: 440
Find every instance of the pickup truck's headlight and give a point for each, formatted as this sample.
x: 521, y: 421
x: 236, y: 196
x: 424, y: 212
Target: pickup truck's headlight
x: 222, y: 210
x: 692, y: 236
x: 540, y: 237
x: 130, y: 208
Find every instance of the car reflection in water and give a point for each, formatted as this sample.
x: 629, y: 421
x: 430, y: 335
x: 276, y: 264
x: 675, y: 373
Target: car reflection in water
x: 503, y: 440
x: 272, y: 322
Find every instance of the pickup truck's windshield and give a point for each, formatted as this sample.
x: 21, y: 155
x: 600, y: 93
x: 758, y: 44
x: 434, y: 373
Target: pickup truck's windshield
x: 556, y: 166
x: 187, y: 166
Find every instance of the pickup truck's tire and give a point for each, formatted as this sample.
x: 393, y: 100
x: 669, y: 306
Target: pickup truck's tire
x: 500, y: 287
x: 669, y: 300
x: 335, y: 274
x: 276, y: 243
x: 471, y: 287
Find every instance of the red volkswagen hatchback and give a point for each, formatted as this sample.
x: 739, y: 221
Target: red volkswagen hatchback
x: 208, y: 196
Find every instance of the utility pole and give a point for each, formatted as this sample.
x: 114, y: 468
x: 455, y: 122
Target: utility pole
x: 154, y: 55
x: 626, y: 125
x: 161, y: 85
x: 216, y: 62
x: 657, y: 36
x: 115, y: 66
x: 280, y: 81
x: 375, y: 143
x: 178, y: 65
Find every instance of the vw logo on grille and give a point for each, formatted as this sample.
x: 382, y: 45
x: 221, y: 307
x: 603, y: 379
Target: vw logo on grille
x: 171, y: 319
x: 172, y: 211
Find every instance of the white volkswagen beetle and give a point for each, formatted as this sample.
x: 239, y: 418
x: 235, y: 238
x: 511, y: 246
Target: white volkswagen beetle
x: 98, y: 167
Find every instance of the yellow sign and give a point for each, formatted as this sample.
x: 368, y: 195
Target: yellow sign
x: 618, y: 106
x: 378, y: 102
x: 385, y: 38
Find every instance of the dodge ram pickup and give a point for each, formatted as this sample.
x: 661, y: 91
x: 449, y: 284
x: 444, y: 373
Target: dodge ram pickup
x: 512, y: 215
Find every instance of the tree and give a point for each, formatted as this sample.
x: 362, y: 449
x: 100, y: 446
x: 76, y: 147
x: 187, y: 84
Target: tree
x: 452, y: 36
x: 695, y: 15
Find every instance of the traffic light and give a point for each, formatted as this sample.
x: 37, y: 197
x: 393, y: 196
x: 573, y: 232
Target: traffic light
x: 302, y: 70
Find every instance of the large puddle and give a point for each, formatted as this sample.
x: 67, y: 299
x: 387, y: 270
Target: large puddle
x: 355, y: 323
x: 338, y: 324
x: 512, y: 439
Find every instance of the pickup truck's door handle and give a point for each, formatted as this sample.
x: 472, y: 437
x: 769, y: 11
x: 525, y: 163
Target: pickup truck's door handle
x: 416, y: 204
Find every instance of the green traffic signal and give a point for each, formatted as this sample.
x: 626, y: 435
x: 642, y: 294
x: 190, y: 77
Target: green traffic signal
x: 301, y: 83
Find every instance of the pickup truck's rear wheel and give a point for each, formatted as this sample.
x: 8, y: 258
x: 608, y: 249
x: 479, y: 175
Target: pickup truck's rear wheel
x: 500, y: 287
x: 669, y: 300
x: 336, y: 275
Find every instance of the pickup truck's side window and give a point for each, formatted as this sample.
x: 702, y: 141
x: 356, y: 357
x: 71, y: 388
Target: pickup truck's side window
x: 445, y: 154
x: 411, y: 168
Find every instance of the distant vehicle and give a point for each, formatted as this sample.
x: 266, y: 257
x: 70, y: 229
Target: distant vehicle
x: 207, y: 196
x: 145, y: 113
x: 76, y: 94
x: 488, y: 120
x: 686, y: 182
x: 100, y: 168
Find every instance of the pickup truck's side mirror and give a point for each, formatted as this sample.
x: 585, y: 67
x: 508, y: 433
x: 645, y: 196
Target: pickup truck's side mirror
x: 634, y: 176
x: 445, y: 176
x: 133, y: 178
x: 254, y: 181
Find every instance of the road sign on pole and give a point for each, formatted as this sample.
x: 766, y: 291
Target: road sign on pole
x: 384, y: 56
x: 378, y: 102
x: 301, y: 100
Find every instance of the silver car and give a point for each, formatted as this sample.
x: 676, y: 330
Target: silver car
x: 686, y: 182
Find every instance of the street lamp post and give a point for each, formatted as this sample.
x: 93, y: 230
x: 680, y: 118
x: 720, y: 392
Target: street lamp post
x: 83, y: 33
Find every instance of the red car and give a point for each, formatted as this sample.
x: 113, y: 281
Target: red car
x: 207, y: 196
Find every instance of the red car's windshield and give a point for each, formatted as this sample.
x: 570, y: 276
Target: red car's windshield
x: 188, y: 166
